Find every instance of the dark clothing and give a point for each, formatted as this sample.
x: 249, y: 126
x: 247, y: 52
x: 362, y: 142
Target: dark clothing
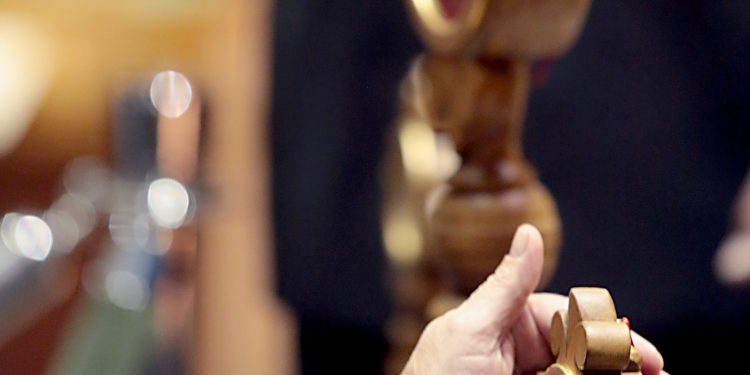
x: 641, y: 133
x: 643, y: 136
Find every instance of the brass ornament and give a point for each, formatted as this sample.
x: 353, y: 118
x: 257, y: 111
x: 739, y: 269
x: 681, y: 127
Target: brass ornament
x: 499, y: 28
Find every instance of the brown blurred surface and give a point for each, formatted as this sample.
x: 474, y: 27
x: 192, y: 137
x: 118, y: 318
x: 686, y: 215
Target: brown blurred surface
x: 99, y: 48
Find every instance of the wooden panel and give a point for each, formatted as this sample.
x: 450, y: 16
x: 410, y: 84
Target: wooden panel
x: 241, y: 327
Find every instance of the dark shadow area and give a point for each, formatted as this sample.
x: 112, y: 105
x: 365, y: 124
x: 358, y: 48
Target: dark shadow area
x: 641, y: 134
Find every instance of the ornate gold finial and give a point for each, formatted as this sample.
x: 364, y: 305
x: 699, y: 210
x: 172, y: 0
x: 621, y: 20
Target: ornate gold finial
x: 499, y: 28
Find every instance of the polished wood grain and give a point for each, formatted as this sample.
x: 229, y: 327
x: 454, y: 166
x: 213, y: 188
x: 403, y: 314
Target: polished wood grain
x: 588, y: 338
x: 472, y: 84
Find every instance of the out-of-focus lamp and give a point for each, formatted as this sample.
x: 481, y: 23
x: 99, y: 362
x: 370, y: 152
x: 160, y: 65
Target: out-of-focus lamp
x: 25, y: 71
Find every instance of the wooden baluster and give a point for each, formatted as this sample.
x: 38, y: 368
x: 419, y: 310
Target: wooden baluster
x: 481, y: 105
x: 473, y: 84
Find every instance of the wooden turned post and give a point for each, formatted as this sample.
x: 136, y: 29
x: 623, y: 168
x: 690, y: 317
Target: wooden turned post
x: 481, y: 106
x: 473, y: 84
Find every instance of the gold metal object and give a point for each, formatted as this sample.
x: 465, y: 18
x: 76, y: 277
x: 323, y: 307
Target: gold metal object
x: 500, y: 28
x: 441, y: 31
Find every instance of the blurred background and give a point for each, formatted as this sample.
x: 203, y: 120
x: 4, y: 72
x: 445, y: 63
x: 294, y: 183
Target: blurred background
x: 226, y: 187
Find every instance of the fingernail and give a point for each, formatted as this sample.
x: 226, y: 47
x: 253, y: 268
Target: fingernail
x: 520, y: 241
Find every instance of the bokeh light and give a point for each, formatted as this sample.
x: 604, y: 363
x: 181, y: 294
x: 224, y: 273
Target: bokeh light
x: 168, y: 202
x: 79, y: 209
x: 87, y: 178
x: 427, y: 157
x: 64, y: 229
x: 171, y: 93
x: 126, y: 290
x: 26, y: 64
x: 32, y: 237
x: 402, y: 237
x: 8, y: 231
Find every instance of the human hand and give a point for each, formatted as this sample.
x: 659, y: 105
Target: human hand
x: 502, y: 328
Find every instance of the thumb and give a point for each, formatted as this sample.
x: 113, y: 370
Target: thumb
x: 495, y: 306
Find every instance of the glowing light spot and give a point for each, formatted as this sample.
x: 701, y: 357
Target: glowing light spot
x: 168, y: 202
x: 171, y: 93
x: 402, y: 237
x: 33, y: 237
x: 8, y: 231
x: 79, y: 209
x: 418, y: 150
x: 126, y: 290
x: 26, y: 65
x: 88, y: 179
x: 8, y: 260
x: 64, y: 229
x: 427, y: 157
x: 448, y: 160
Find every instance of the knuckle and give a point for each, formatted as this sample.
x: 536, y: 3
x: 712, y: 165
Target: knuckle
x: 435, y: 327
x: 451, y: 321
